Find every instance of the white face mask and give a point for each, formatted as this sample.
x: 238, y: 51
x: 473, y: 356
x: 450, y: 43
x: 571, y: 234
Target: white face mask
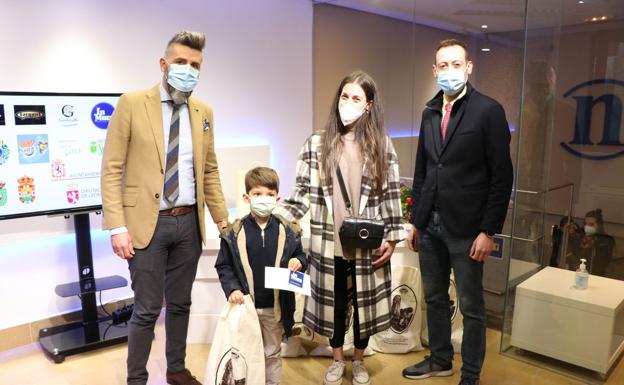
x: 262, y: 205
x: 590, y: 230
x: 349, y: 112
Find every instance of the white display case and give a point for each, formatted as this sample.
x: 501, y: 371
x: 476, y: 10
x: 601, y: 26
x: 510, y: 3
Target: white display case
x: 581, y: 327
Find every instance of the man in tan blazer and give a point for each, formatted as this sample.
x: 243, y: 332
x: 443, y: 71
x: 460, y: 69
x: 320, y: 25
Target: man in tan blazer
x: 159, y: 169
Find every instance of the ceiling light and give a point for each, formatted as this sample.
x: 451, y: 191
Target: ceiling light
x: 603, y: 18
x: 484, y: 26
x: 581, y: 2
x: 485, y: 49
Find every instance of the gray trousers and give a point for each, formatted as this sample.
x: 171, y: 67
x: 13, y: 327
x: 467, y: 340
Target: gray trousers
x: 167, y: 266
x: 272, y: 332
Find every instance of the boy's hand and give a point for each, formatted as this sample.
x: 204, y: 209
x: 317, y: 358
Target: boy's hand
x: 236, y: 297
x: 294, y: 264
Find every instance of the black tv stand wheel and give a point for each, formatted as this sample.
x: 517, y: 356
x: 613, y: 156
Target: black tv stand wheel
x: 58, y: 359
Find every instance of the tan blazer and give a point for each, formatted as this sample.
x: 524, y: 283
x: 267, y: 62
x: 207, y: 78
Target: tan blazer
x: 133, y: 165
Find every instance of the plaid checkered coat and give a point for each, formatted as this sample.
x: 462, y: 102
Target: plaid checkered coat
x: 373, y: 285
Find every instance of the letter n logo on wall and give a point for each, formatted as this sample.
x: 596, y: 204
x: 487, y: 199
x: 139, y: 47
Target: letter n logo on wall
x: 612, y: 122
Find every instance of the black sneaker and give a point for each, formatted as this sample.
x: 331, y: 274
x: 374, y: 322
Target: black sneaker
x: 427, y: 368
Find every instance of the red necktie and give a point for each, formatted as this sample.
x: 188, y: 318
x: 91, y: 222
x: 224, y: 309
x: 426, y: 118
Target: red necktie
x: 445, y: 121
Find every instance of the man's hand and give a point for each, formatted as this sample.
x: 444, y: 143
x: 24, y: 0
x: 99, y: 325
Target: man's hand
x: 412, y: 239
x: 294, y: 264
x: 221, y: 223
x: 122, y: 245
x: 236, y: 298
x: 481, y: 247
x: 386, y: 250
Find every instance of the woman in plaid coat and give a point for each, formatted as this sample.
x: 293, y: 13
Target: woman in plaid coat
x: 355, y: 140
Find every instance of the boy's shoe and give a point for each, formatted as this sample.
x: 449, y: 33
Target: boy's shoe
x: 334, y: 373
x: 427, y: 368
x: 359, y: 372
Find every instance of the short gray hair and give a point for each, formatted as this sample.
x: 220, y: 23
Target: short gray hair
x: 191, y: 39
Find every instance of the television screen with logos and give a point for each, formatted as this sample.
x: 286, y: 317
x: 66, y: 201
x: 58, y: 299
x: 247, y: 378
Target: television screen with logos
x: 51, y: 152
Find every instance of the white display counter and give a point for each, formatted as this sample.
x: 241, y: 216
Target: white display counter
x: 581, y: 327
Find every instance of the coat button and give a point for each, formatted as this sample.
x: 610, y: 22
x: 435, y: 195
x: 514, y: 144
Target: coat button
x: 440, y: 165
x: 161, y: 171
x: 157, y: 196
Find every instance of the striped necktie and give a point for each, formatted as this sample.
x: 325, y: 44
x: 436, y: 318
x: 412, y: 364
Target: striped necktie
x: 172, y: 188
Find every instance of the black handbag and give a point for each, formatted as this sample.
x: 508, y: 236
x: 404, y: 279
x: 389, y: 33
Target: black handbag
x: 355, y: 232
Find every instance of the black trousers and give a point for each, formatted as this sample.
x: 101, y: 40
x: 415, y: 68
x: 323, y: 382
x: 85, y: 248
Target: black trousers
x: 343, y: 270
x: 165, y: 268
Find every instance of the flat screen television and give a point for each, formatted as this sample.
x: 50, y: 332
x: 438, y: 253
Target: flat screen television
x: 51, y: 152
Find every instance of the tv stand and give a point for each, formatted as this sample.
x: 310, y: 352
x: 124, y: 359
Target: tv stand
x: 92, y: 332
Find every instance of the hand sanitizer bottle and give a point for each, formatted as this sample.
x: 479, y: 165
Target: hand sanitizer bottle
x: 581, y: 277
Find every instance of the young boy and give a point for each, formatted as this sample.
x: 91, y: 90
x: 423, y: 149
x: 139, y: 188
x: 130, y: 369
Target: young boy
x: 241, y: 265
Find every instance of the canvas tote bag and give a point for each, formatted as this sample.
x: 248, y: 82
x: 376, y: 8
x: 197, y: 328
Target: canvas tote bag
x: 405, y: 314
x: 237, y: 355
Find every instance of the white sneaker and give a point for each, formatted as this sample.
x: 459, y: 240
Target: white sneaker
x: 360, y: 374
x: 334, y: 373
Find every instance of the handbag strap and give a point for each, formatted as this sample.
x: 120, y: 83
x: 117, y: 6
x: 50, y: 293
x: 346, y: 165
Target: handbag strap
x: 343, y: 189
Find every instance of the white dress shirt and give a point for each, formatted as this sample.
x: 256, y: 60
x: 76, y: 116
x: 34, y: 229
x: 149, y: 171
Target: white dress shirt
x: 186, y: 174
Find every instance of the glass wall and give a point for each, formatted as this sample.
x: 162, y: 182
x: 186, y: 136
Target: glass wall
x: 395, y: 42
x: 557, y: 67
x: 569, y: 193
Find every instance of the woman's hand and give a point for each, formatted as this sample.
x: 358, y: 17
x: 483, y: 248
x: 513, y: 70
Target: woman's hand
x: 294, y: 264
x: 386, y: 250
x: 236, y: 298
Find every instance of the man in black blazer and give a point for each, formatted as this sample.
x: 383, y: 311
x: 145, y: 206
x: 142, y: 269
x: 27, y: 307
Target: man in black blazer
x: 462, y: 185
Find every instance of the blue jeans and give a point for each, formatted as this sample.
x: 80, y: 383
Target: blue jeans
x: 440, y: 251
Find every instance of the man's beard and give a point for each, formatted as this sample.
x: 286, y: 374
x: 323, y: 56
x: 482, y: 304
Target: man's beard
x: 179, y: 97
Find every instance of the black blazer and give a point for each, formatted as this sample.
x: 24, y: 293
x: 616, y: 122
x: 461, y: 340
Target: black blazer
x: 470, y: 175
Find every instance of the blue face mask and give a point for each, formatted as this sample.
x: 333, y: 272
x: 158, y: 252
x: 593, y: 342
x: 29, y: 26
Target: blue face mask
x: 182, y: 77
x: 451, y: 81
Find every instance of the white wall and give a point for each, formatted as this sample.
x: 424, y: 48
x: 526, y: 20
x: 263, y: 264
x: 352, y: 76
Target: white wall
x: 257, y: 74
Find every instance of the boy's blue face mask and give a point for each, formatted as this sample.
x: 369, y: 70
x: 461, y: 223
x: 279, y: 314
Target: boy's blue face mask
x: 451, y: 81
x: 182, y: 77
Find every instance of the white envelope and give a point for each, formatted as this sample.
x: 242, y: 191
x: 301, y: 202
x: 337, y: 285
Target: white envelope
x: 284, y: 279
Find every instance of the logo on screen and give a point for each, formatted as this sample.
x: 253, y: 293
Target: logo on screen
x: 101, y: 115
x: 26, y: 189
x: 70, y: 147
x: 68, y: 116
x: 96, y: 147
x: 2, y: 121
x: 58, y: 169
x: 3, y: 194
x: 4, y: 152
x: 33, y: 148
x: 28, y: 115
x: 73, y: 194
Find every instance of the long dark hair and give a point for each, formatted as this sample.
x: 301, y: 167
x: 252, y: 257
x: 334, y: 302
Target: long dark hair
x: 370, y: 134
